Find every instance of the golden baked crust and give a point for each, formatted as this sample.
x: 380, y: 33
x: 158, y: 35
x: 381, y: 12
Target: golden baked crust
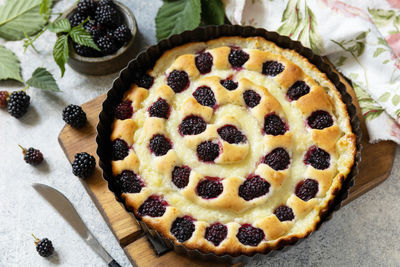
x: 236, y: 161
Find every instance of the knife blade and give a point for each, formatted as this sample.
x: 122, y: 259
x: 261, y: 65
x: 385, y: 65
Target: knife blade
x: 69, y: 213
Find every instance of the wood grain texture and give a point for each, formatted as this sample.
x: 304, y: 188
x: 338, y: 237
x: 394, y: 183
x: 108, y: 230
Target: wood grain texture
x: 377, y: 161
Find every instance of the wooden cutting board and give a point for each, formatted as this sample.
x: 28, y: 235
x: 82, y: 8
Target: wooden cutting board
x: 376, y: 165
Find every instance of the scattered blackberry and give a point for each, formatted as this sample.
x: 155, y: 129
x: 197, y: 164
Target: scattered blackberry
x: 120, y: 149
x: 3, y: 99
x: 87, y: 7
x: 284, y: 213
x: 76, y: 19
x: 318, y: 158
x: 229, y: 84
x: 251, y: 98
x: 107, y: 44
x: 216, y: 233
x: 18, y: 104
x: 74, y: 116
x: 182, y: 228
x: 180, y: 176
x: 94, y: 29
x: 204, y: 62
x: 278, y: 159
x: 32, y: 156
x: 154, y: 206
x: 159, y: 109
x: 86, y: 51
x: 192, y: 125
x: 43, y: 246
x: 319, y: 120
x: 129, y: 182
x: 237, y: 58
x: 122, y: 34
x: 207, y: 151
x: 272, y: 68
x: 274, y: 125
x: 249, y: 235
x: 143, y: 80
x: 306, y: 189
x: 106, y: 2
x: 178, y: 80
x: 297, y: 90
x: 124, y: 110
x: 253, y: 187
x: 231, y: 134
x: 205, y: 96
x: 107, y: 15
x: 211, y: 187
x: 83, y: 165
x: 160, y: 145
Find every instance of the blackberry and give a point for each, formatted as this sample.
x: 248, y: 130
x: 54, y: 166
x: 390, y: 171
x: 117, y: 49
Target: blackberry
x: 203, y: 62
x: 18, y: 104
x: 76, y: 19
x: 237, y: 58
x: 106, y: 2
x: 284, y: 213
x: 86, y: 51
x: 143, y: 80
x: 83, y: 165
x: 178, y: 80
x: 120, y: 149
x: 231, y: 134
x: 3, y: 99
x: 272, y: 68
x: 122, y: 34
x: 107, y: 44
x: 44, y: 246
x: 182, y: 228
x: 229, y: 84
x: 159, y: 109
x: 319, y: 120
x: 74, y: 116
x: 253, y: 187
x: 278, y: 159
x: 180, y: 176
x: 207, y: 151
x: 32, y: 156
x: 160, y: 145
x: 249, y: 235
x: 94, y: 29
x: 124, y: 110
x: 192, y: 125
x: 251, y: 98
x: 211, y: 187
x: 216, y: 233
x: 306, y: 189
x: 297, y: 90
x: 318, y: 158
x: 274, y: 125
x: 154, y: 206
x: 107, y: 15
x: 205, y: 96
x: 129, y: 182
x: 87, y: 7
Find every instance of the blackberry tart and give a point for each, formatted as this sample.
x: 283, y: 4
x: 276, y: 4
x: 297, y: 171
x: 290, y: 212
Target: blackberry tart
x: 231, y: 146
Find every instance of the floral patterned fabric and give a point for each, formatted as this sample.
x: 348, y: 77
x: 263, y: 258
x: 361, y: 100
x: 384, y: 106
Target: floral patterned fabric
x: 360, y: 37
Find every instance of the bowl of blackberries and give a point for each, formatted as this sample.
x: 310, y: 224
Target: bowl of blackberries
x: 113, y: 28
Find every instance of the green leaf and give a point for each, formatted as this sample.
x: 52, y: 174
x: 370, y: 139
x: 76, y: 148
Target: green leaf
x: 395, y: 100
x: 60, y: 25
x: 21, y: 16
x: 386, y: 61
x: 379, y: 51
x: 361, y: 36
x: 44, y: 80
x: 372, y: 114
x: 397, y: 112
x: 9, y: 65
x: 381, y: 17
x: 291, y: 19
x: 381, y: 41
x: 316, y: 42
x: 384, y: 97
x: 61, y: 52
x: 81, y: 36
x: 341, y: 61
x: 212, y: 12
x: 174, y: 17
x: 45, y: 8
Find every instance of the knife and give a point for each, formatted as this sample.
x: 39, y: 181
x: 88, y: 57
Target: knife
x: 69, y: 213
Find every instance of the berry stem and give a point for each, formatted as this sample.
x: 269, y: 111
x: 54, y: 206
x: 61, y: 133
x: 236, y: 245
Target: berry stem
x: 23, y: 151
x: 37, y: 240
x: 25, y: 88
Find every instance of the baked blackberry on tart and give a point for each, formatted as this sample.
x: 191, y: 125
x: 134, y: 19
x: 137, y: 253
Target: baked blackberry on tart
x: 231, y: 146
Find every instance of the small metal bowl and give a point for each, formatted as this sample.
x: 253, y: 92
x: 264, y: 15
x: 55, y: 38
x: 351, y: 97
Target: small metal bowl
x: 107, y: 64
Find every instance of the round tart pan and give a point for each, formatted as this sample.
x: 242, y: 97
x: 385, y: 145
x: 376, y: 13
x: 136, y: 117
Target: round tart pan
x: 146, y: 60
